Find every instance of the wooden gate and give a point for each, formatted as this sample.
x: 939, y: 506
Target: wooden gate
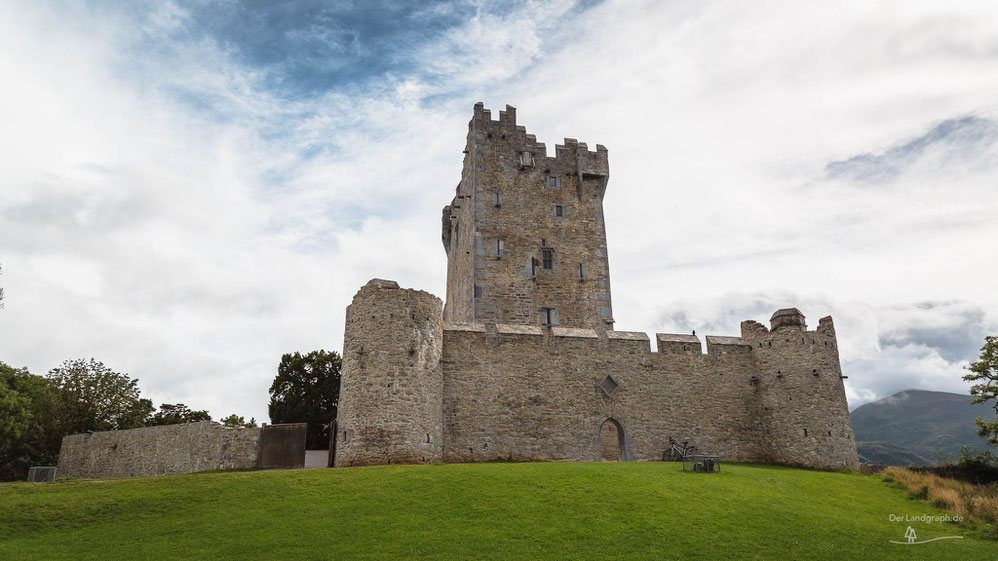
x: 282, y: 446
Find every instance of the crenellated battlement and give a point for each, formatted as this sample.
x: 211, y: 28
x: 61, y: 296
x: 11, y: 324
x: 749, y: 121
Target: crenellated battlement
x: 754, y: 336
x: 571, y: 154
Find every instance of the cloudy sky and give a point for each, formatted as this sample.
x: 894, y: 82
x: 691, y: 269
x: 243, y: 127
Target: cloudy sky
x: 189, y: 190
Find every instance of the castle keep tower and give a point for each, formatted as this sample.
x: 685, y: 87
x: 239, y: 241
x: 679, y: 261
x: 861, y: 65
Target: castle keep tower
x: 524, y: 235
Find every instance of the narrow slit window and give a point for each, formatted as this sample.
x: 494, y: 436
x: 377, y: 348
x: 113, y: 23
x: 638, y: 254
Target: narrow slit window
x: 533, y: 266
x: 547, y: 258
x: 497, y: 199
x: 582, y: 272
x: 499, y: 247
x: 345, y: 438
x: 549, y: 316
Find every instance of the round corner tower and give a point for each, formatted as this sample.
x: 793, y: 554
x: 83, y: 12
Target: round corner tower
x: 391, y: 383
x: 801, y: 391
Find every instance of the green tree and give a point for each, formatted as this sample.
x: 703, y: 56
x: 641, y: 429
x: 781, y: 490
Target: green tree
x: 92, y: 397
x: 27, y: 433
x: 985, y: 373
x: 175, y: 414
x: 307, y: 390
x: 236, y: 421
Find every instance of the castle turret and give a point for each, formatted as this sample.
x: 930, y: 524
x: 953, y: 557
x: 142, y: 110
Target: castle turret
x: 800, y: 390
x: 788, y: 318
x: 391, y: 384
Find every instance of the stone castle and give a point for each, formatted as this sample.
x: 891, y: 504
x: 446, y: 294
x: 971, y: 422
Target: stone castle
x: 523, y: 362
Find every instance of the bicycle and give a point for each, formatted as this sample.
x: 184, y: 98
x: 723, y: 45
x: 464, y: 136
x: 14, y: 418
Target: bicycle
x: 677, y: 452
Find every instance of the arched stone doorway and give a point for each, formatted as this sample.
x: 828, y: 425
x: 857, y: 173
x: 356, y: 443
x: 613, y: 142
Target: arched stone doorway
x: 611, y: 440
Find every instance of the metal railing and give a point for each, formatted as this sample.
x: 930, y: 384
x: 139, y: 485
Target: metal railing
x: 701, y: 464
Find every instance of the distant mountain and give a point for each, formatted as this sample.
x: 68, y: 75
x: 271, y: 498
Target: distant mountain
x: 917, y: 427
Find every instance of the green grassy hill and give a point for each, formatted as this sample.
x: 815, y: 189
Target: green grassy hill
x: 633, y: 510
x: 917, y: 427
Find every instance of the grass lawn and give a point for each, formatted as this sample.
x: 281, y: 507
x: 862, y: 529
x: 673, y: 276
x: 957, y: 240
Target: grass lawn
x: 646, y: 510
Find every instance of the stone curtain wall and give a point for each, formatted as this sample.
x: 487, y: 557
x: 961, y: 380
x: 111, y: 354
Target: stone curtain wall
x: 525, y: 394
x: 164, y: 450
x: 533, y: 396
x: 391, y: 383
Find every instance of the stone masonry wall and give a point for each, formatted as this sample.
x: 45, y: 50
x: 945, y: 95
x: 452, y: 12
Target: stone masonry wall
x: 528, y: 393
x: 391, y: 383
x: 458, y: 236
x: 164, y: 450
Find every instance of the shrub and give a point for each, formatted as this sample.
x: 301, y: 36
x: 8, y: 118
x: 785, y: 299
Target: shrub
x: 922, y: 493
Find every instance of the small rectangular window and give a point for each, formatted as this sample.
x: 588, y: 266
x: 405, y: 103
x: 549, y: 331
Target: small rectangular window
x: 554, y: 182
x: 526, y: 159
x: 533, y: 266
x: 547, y: 258
x: 478, y: 291
x: 549, y: 316
x: 345, y: 436
x: 559, y: 211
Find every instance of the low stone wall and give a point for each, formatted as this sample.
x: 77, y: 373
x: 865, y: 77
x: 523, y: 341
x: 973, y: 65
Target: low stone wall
x: 164, y: 450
